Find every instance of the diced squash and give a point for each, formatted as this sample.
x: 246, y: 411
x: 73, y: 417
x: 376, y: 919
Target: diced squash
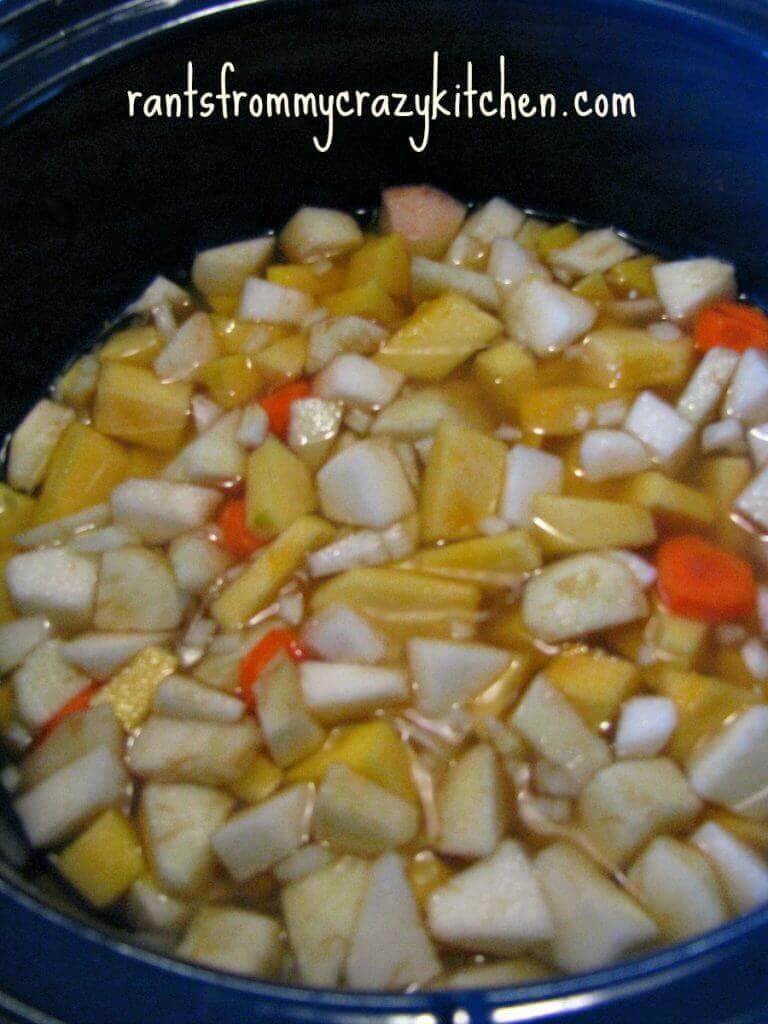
x: 490, y: 562
x: 271, y: 568
x: 594, y: 682
x: 105, y: 860
x: 556, y: 237
x: 137, y: 346
x: 385, y: 260
x: 283, y: 360
x: 561, y: 411
x: 305, y: 278
x: 130, y: 692
x: 232, y: 381
x: 368, y: 300
x: 438, y: 337
x: 223, y: 270
x: 566, y: 525
x: 462, y: 483
x: 133, y: 405
x: 631, y: 358
x: 402, y: 603
x: 671, y: 502
x: 634, y: 275
x: 84, y: 469
x: 279, y: 488
x: 504, y: 372
x: 235, y: 336
x: 372, y: 749
x: 594, y: 288
x: 16, y: 512
x: 143, y: 462
x: 259, y: 781
x: 426, y: 218
x: 722, y: 479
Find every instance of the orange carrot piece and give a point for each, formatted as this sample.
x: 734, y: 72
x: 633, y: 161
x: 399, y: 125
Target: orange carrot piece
x: 259, y: 657
x: 277, y: 406
x: 80, y: 702
x: 734, y: 325
x: 235, y: 535
x: 699, y: 580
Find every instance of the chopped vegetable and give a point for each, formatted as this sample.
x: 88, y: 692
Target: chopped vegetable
x: 260, y: 656
x: 702, y: 581
x: 731, y: 325
x: 277, y: 406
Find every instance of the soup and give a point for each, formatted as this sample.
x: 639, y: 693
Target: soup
x: 383, y: 610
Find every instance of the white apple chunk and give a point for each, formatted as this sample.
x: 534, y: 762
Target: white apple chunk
x: 197, y: 563
x: 430, y: 278
x: 662, y: 429
x: 473, y: 805
x: 725, y: 437
x: 364, y: 547
x: 254, y: 426
x: 528, y: 472
x: 753, y: 500
x: 305, y: 861
x: 184, y: 750
x: 149, y: 909
x: 686, y: 286
x: 177, y: 823
x: 548, y: 722
x: 192, y: 346
x: 315, y: 233
x: 290, y: 731
x: 592, y: 253
x: 78, y: 734
x: 160, y: 291
x: 215, y: 457
x: 358, y: 381
x: 581, y: 595
x: 545, y: 317
x: 678, y: 888
x: 223, y: 269
x: 595, y: 923
x: 341, y: 334
x: 257, y: 839
x: 389, y: 909
x: 338, y: 633
x: 54, y: 583
x: 646, y: 725
x: 743, y: 873
x: 628, y: 802
x: 68, y: 798
x: 449, y: 673
x: 365, y: 485
x: 159, y: 510
x: 33, y: 442
x: 427, y: 218
x: 354, y: 815
x: 704, y: 391
x: 509, y: 263
x: 65, y: 529
x: 266, y: 302
x: 19, y: 638
x: 179, y: 697
x: 731, y: 769
x: 497, y: 218
x: 99, y: 655
x: 611, y: 455
x: 44, y: 683
x: 495, y: 906
x: 205, y: 412
x: 231, y: 939
x: 108, y: 538
x: 339, y: 692
x: 414, y: 415
x: 137, y: 591
x: 321, y: 911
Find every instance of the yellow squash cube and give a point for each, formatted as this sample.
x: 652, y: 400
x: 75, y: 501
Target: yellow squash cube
x: 282, y: 361
x: 672, y: 503
x: 232, y: 381
x: 385, y: 260
x: 279, y: 488
x: 105, y: 860
x: 504, y: 372
x: 490, y: 562
x: 559, y: 236
x: 305, y: 278
x: 133, y: 405
x: 130, y: 691
x: 594, y: 682
x: 562, y: 410
x: 143, y: 462
x: 634, y: 276
x: 566, y: 525
x: 678, y: 641
x: 438, y: 337
x: 224, y: 305
x: 260, y: 781
x: 722, y: 478
x: 84, y: 469
x: 137, y: 346
x: 594, y: 288
x: 16, y: 512
x: 462, y: 482
x: 235, y: 335
x: 368, y: 300
x: 630, y: 358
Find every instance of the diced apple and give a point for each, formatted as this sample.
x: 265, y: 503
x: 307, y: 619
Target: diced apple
x: 389, y: 908
x: 743, y: 873
x: 595, y: 923
x: 150, y: 909
x: 99, y: 655
x: 197, y: 563
x: 355, y: 815
x: 417, y: 413
x: 69, y: 797
x: 65, y: 529
x: 313, y: 427
x: 159, y: 510
x: 449, y: 673
x: 365, y: 486
x: 661, y: 429
x: 685, y: 286
x: 358, y: 381
x: 137, y: 591
x: 290, y: 731
x: 628, y: 802
x: 730, y: 768
x: 315, y: 233
x: 335, y: 335
x: 307, y: 860
x: 495, y: 906
x: 496, y: 562
x: 53, y: 583
x: 215, y: 457
x: 19, y: 638
x: 33, y: 443
x: 611, y: 455
x: 545, y: 317
x: 474, y: 808
x: 192, y: 346
x: 340, y: 692
x: 528, y: 472
x: 495, y: 219
x: 44, y: 683
x: 564, y: 525
x: 425, y: 217
x: 223, y: 270
x: 431, y: 278
x: 208, y: 753
x: 179, y: 697
x: 234, y: 940
x: 270, y: 303
x: 509, y: 263
x: 645, y: 727
x: 74, y: 737
x: 705, y: 390
x: 592, y: 253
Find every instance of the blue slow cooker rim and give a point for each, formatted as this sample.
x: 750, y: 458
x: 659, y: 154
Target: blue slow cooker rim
x: 94, y: 43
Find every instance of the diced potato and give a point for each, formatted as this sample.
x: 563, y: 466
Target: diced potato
x: 678, y: 888
x: 319, y: 279
x: 68, y: 798
x: 55, y: 583
x: 462, y: 483
x: 143, y: 462
x: 634, y: 276
x: 83, y: 470
x: 595, y: 683
x: 545, y: 317
x: 630, y: 801
x: 495, y: 906
x: 223, y: 270
x: 355, y: 815
x: 105, y: 860
x: 340, y: 692
x: 207, y: 753
x: 365, y: 485
x: 595, y: 922
x: 384, y: 260
x: 474, y: 807
x: 315, y: 233
x: 490, y: 562
x: 7, y: 612
x: 256, y: 839
x: 259, y: 781
x: 177, y: 823
x: 279, y: 488
x: 263, y: 301
x: 670, y: 501
x: 160, y: 291
x: 75, y: 736
x: 234, y: 940
x: 438, y: 337
x: 33, y: 443
x: 159, y: 510
x: 594, y: 288
x: 729, y: 768
x: 16, y: 512
x: 282, y: 361
x: 685, y: 286
x: 449, y: 673
x: 371, y: 749
x: 137, y: 591
x: 290, y: 731
x: 232, y: 381
x: 426, y: 218
x: 133, y: 405
x: 497, y: 698
x: 495, y: 219
x: 567, y: 525
x: 131, y: 691
x: 44, y: 683
x: 632, y: 359
x: 417, y: 414
x: 504, y: 373
x: 197, y: 563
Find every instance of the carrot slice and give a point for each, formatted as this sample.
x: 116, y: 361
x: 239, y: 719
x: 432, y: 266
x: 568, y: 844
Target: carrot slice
x: 258, y: 658
x: 80, y: 702
x: 235, y: 535
x: 734, y: 325
x: 699, y: 580
x: 277, y: 406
